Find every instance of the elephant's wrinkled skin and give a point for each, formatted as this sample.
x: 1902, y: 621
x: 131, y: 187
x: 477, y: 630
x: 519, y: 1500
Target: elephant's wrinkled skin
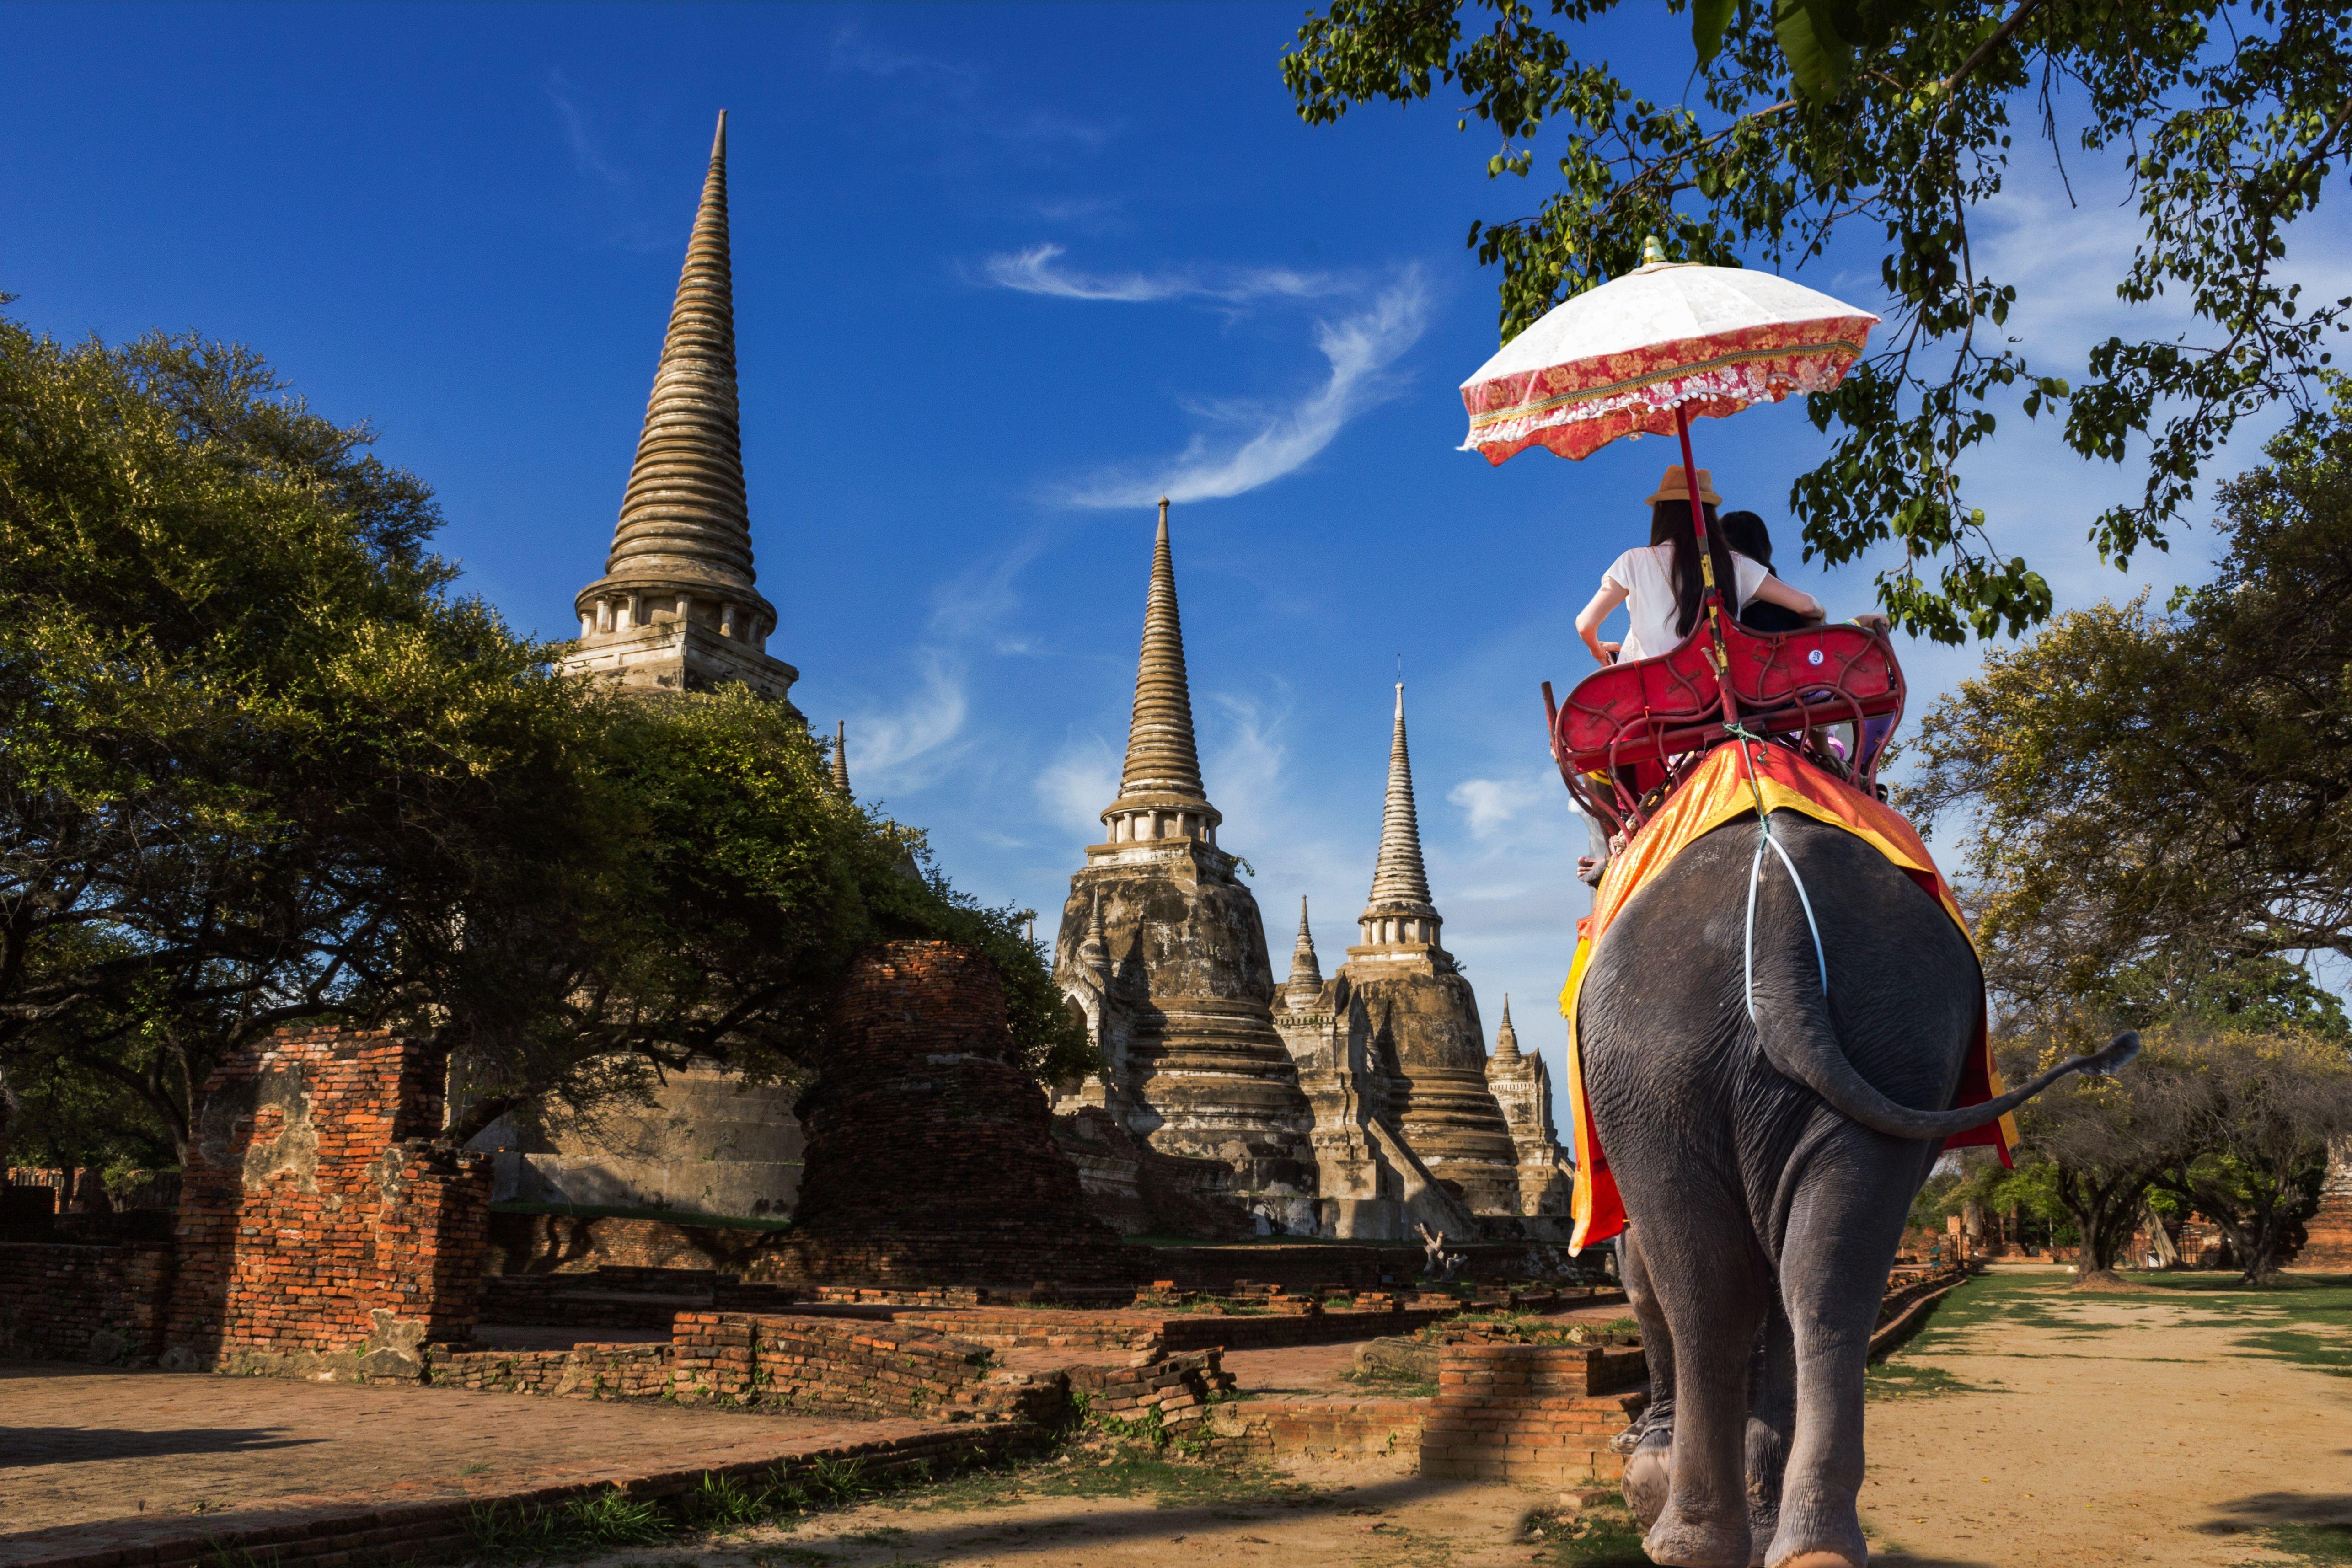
x: 1768, y: 1167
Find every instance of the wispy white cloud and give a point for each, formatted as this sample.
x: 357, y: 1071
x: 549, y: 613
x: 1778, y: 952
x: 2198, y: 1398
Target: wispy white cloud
x: 953, y: 95
x: 1279, y: 439
x: 1079, y: 783
x: 1491, y: 805
x: 587, y: 156
x: 905, y: 747
x: 1037, y: 270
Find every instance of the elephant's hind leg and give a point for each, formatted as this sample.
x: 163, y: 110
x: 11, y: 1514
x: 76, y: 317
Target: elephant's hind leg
x: 1714, y: 1284
x: 1649, y: 1465
x: 1841, y: 1238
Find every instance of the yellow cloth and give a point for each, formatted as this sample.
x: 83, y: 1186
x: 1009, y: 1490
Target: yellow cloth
x: 1720, y: 792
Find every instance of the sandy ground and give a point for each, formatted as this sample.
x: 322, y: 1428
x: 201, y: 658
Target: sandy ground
x: 2028, y: 1427
x: 2099, y: 1430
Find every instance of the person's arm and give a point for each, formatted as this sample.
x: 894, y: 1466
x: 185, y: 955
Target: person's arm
x: 1872, y: 620
x: 1772, y: 591
x: 1588, y: 624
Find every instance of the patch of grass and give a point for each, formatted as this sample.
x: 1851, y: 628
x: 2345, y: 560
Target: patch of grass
x: 1129, y: 1473
x: 722, y: 1502
x: 1893, y: 1379
x: 1992, y: 1301
x: 219, y: 1556
x: 1601, y: 1536
x: 585, y: 1524
x: 2327, y: 1544
x: 1389, y: 1383
x: 2307, y: 1321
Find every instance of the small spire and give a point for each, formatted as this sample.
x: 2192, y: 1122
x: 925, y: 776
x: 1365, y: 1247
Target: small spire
x: 1399, y: 910
x: 1506, y: 1039
x: 1094, y: 952
x: 1306, y: 981
x: 840, y: 757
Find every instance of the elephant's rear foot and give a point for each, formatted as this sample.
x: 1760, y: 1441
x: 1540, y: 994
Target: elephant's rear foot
x: 1650, y: 1475
x: 1684, y: 1542
x: 1818, y: 1543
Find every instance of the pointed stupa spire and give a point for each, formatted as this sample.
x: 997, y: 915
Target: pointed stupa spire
x: 1305, y: 983
x: 1094, y: 952
x: 841, y: 759
x: 682, y: 548
x: 1160, y: 791
x: 1506, y: 1039
x: 1399, y: 910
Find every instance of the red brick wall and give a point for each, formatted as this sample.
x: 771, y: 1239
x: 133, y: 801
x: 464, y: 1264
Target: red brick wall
x: 1528, y: 1414
x: 101, y: 1304
x: 778, y: 1362
x: 1266, y: 1429
x: 915, y: 1095
x: 321, y: 1232
x: 2327, y: 1244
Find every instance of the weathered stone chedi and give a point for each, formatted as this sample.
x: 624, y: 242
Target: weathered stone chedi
x: 1162, y: 947
x: 1425, y: 1016
x: 676, y: 608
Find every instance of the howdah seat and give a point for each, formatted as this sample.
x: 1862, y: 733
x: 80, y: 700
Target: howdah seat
x: 1629, y: 731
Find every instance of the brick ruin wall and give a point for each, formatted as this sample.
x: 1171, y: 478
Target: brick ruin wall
x: 104, y: 1305
x: 773, y: 1362
x: 2328, y: 1236
x: 789, y: 1363
x: 322, y: 1233
x: 1263, y: 1430
x: 1530, y: 1414
x: 918, y: 1094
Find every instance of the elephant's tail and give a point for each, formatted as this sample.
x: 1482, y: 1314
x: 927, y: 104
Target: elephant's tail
x: 1806, y: 1048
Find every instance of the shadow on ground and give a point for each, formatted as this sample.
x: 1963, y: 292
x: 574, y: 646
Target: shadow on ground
x: 22, y: 1446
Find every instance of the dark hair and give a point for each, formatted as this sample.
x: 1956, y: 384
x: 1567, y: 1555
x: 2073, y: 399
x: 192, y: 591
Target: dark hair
x: 1744, y: 532
x: 1670, y: 523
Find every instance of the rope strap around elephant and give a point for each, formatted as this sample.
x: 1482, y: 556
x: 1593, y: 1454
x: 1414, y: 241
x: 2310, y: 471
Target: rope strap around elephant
x: 1755, y: 873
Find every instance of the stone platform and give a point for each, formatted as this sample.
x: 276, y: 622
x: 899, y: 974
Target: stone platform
x: 108, y: 1469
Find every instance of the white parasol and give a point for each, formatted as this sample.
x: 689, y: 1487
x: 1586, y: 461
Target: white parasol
x: 1647, y: 351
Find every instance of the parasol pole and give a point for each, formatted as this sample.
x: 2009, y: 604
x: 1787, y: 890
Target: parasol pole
x: 1706, y: 568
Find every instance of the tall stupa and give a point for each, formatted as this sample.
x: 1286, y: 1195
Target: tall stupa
x: 1424, y: 1017
x: 675, y: 610
x: 1162, y: 947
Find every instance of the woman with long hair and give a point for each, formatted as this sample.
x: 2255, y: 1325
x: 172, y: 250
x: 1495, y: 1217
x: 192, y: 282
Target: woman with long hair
x: 1661, y: 584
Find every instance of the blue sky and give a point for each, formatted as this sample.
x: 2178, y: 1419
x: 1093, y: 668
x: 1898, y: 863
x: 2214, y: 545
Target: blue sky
x: 1003, y: 275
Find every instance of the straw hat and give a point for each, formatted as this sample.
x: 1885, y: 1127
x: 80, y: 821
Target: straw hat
x: 1673, y: 487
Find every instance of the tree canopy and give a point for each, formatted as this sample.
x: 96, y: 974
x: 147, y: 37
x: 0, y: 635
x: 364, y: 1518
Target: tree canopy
x: 1891, y: 124
x: 2152, y: 791
x: 260, y: 762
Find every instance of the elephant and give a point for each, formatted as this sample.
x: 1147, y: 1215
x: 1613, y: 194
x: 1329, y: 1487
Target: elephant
x: 1767, y: 1149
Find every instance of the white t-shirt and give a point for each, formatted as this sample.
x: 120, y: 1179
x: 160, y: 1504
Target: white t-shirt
x: 1647, y: 576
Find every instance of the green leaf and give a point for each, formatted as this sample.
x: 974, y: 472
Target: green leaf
x: 1709, y: 20
x: 1819, y: 60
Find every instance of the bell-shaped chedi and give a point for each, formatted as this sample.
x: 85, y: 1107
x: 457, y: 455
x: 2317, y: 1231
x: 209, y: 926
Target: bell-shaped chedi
x: 1424, y: 1017
x: 1162, y: 947
x: 676, y: 608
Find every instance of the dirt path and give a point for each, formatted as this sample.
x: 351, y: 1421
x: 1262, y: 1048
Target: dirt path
x: 2027, y: 1427
x: 2030, y: 1425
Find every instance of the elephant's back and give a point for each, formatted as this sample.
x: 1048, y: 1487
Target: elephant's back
x: 1662, y: 1013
